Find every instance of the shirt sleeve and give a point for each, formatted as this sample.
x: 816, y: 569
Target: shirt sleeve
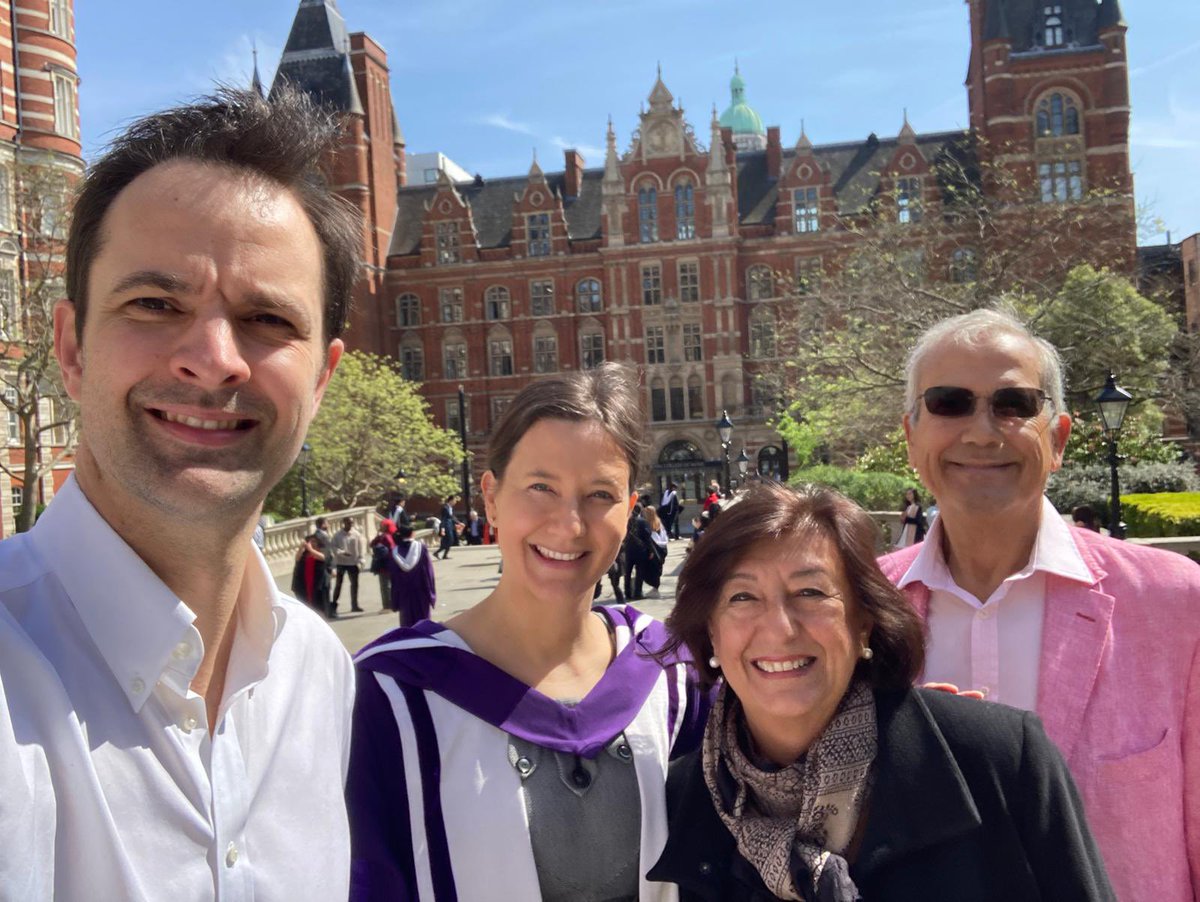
x: 1191, y: 769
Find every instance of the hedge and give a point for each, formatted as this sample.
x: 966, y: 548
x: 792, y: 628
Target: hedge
x: 1074, y: 485
x: 1162, y: 514
x: 874, y: 491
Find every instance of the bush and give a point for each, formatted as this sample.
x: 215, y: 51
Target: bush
x: 1162, y: 514
x: 874, y: 491
x: 1074, y: 485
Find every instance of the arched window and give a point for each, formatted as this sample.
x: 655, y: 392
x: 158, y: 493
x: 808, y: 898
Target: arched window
x: 408, y: 311
x: 412, y: 359
x: 496, y: 303
x: 963, y: 266
x: 1057, y: 116
x: 771, y: 462
x: 685, y: 210
x: 588, y: 296
x: 695, y: 397
x: 658, y: 400
x: 647, y: 214
x: 500, y: 353
x: 762, y: 333
x: 760, y: 283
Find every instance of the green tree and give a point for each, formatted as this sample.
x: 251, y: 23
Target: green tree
x: 372, y: 423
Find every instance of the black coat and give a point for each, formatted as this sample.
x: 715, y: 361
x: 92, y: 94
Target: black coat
x: 971, y: 802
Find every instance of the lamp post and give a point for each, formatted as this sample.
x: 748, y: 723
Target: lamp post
x: 743, y: 464
x: 305, y: 454
x: 466, y: 466
x: 725, y: 432
x: 1113, y: 401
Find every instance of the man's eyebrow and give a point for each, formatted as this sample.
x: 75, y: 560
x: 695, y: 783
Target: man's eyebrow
x: 152, y: 278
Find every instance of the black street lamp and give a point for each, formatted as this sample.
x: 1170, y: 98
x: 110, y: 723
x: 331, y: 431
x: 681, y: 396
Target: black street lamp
x: 743, y: 464
x: 1113, y: 401
x: 466, y: 465
x: 305, y: 455
x: 725, y: 432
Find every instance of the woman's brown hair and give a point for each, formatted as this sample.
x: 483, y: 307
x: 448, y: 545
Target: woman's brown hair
x: 607, y: 395
x: 768, y: 514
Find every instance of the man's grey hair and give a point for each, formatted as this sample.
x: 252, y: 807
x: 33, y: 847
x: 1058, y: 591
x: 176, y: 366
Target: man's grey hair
x: 974, y: 330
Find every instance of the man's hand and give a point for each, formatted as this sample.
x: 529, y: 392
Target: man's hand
x: 950, y: 687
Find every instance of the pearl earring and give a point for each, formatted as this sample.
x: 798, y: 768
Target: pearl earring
x: 867, y: 653
x: 714, y: 663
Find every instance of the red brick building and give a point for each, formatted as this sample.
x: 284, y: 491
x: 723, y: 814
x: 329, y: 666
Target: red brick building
x: 39, y: 126
x: 667, y: 256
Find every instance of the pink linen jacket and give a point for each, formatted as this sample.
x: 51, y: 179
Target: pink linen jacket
x: 1119, y: 693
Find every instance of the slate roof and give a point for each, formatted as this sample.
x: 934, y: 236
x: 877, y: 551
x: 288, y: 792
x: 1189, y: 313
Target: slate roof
x: 1022, y: 22
x: 854, y: 173
x: 315, y: 57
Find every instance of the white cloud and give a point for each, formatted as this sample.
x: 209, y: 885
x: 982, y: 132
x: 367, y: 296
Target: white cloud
x: 589, y: 151
x: 1165, y: 60
x: 501, y: 120
x: 235, y: 64
x: 1179, y: 129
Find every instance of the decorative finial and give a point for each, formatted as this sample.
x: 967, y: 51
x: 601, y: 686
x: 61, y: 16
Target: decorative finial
x: 736, y: 70
x: 660, y: 69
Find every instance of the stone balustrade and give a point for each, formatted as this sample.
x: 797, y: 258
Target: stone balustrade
x: 284, y: 538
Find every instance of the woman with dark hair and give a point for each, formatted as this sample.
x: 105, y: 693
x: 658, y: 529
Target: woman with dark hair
x: 822, y: 774
x: 519, y: 750
x: 912, y: 520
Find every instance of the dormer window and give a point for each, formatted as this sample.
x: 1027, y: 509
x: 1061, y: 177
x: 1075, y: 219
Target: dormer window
x: 908, y: 200
x: 647, y: 215
x: 537, y: 227
x: 807, y: 210
x: 1052, y: 33
x: 447, y: 242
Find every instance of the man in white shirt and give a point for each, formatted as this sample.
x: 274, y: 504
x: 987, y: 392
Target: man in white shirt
x: 171, y: 727
x: 1099, y: 637
x: 347, y: 555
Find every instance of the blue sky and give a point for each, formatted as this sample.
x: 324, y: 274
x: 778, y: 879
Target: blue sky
x: 486, y: 82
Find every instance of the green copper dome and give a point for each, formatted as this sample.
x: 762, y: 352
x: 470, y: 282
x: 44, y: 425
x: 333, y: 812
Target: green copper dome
x: 740, y: 116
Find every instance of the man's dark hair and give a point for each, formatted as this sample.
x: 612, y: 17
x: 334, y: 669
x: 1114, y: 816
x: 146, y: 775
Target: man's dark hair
x: 283, y: 140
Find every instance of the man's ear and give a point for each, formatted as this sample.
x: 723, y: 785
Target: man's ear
x: 332, y: 356
x: 907, y: 423
x: 67, y: 348
x: 1061, y: 426
x: 633, y: 497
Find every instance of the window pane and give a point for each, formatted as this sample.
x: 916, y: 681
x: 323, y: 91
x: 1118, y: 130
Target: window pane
x: 658, y: 403
x: 689, y: 282
x: 685, y: 212
x: 589, y: 298
x: 447, y: 242
x: 651, y: 285
x: 677, y: 412
x: 542, y: 297
x: 538, y: 232
x: 648, y: 215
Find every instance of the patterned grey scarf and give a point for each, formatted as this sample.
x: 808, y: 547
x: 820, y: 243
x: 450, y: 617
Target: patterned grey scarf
x: 795, y: 824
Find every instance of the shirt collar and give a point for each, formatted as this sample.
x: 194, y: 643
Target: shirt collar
x: 135, y: 621
x: 1054, y: 552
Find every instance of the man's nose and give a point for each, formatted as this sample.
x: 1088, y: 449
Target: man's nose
x: 208, y: 354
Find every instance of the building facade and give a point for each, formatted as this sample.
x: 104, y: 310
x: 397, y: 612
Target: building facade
x: 671, y: 255
x: 39, y: 140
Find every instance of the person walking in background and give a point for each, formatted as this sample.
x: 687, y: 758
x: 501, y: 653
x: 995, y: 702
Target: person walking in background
x: 414, y: 592
x: 347, y: 557
x: 912, y: 520
x: 1099, y: 637
x: 637, y: 552
x: 308, y: 576
x: 399, y: 516
x: 381, y: 551
x: 323, y: 542
x: 658, y: 552
x: 714, y: 497
x: 448, y: 526
x: 1084, y: 516
x: 668, y: 510
x: 474, y: 531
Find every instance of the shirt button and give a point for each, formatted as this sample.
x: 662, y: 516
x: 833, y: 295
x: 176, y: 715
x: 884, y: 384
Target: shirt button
x: 181, y: 651
x: 985, y: 613
x: 138, y: 685
x: 525, y: 766
x: 189, y: 724
x: 705, y: 868
x: 984, y: 690
x: 231, y: 855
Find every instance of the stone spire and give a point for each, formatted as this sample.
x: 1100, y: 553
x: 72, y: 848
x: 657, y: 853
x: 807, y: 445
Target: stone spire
x: 803, y: 144
x: 316, y: 57
x: 907, y: 135
x: 256, y: 84
x: 612, y: 163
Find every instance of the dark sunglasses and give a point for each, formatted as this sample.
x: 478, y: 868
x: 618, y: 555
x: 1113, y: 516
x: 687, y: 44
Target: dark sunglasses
x: 1006, y: 403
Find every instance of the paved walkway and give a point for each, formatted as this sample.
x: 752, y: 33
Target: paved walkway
x: 462, y: 582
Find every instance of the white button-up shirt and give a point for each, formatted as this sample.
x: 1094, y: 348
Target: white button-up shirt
x: 111, y: 784
x: 993, y: 645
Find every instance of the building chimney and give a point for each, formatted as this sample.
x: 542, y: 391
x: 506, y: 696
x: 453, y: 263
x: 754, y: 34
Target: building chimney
x: 774, y: 152
x: 573, y: 178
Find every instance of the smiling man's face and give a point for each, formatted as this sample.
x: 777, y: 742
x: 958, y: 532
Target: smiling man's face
x: 980, y: 465
x: 202, y: 360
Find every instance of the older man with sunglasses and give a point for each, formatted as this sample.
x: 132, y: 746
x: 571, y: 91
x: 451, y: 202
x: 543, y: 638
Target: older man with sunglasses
x: 1099, y: 637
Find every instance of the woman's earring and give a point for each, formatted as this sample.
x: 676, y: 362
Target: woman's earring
x: 867, y: 653
x: 714, y: 663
